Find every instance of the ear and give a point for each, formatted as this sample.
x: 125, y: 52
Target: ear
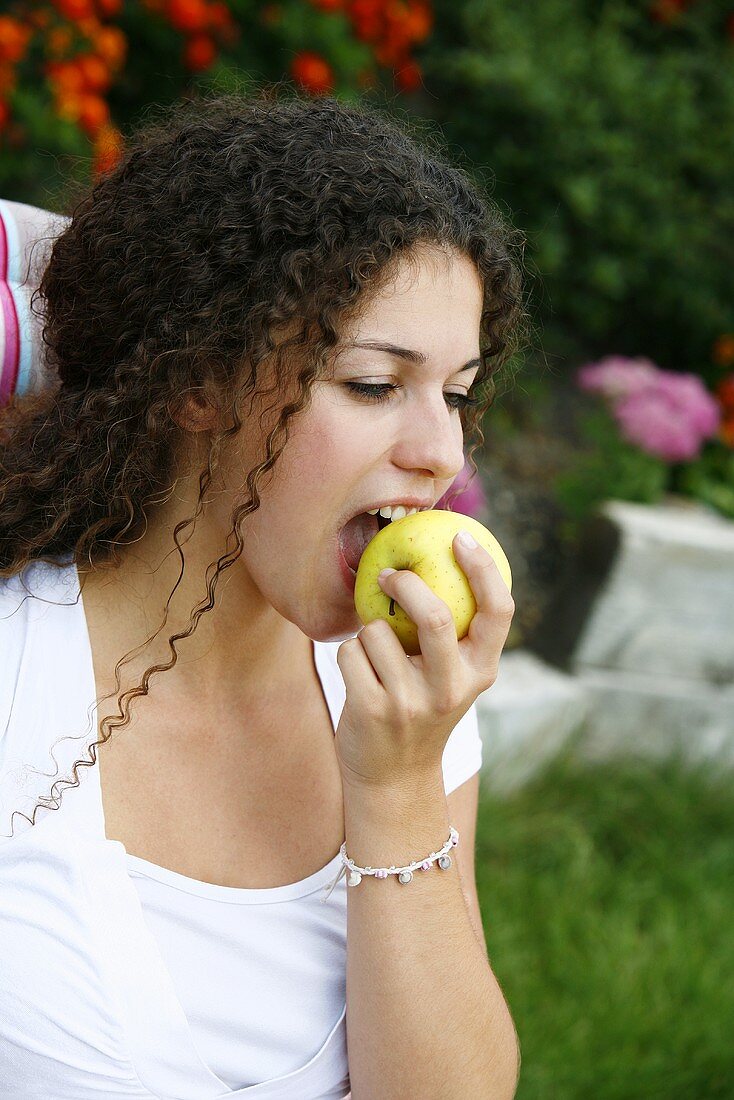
x: 195, y: 412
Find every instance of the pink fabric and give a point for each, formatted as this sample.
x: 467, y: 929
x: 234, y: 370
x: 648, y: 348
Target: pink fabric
x: 9, y: 321
x: 26, y: 238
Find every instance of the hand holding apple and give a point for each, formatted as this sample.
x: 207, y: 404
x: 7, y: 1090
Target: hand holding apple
x: 408, y: 686
x: 423, y: 544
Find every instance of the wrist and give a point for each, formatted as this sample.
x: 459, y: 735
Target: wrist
x: 396, y: 794
x: 396, y: 825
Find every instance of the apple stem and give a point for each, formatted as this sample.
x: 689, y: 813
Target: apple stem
x: 392, y: 607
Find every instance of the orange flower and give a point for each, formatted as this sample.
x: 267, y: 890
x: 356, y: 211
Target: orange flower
x: 199, y: 53
x: 8, y: 81
x: 724, y: 390
x: 723, y: 350
x: 396, y: 42
x: 312, y: 72
x: 419, y: 22
x: 367, y: 29
x: 68, y: 106
x: 111, y: 45
x: 93, y: 114
x: 14, y: 39
x: 366, y: 7
x: 59, y: 39
x: 75, y: 9
x: 94, y: 72
x: 108, y: 9
x: 108, y: 149
x: 220, y: 16
x: 367, y: 19
x: 395, y: 11
x: 726, y: 432
x: 40, y: 18
x: 408, y: 77
x: 187, y: 15
x: 390, y: 52
x: 66, y: 78
x: 90, y: 27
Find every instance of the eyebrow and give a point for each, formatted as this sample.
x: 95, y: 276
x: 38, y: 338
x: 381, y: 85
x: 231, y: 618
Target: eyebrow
x: 406, y: 353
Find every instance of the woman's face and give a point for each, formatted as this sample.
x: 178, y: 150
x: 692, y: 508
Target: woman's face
x: 347, y: 453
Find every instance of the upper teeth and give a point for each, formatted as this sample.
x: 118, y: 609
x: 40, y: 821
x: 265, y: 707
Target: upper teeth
x: 391, y: 512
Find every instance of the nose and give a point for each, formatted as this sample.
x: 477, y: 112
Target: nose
x: 430, y: 439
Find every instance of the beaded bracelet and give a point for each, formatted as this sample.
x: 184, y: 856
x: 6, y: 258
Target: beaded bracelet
x: 405, y: 874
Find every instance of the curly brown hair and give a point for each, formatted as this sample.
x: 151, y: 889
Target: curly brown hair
x: 229, y: 219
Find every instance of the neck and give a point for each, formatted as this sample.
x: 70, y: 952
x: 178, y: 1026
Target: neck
x: 240, y: 651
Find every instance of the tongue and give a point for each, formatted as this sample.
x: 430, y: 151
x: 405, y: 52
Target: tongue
x: 355, y: 535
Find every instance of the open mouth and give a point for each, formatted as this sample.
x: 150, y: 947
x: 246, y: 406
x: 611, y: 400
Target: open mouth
x: 357, y: 534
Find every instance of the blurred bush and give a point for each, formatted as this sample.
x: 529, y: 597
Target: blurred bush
x: 76, y: 75
x: 605, y: 131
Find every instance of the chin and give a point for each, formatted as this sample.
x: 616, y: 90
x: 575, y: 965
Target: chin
x: 322, y: 618
x: 333, y: 635
x: 334, y: 627
x: 323, y: 624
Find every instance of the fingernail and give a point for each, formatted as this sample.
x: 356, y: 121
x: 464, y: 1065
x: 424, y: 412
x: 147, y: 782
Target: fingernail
x: 386, y: 573
x: 466, y: 540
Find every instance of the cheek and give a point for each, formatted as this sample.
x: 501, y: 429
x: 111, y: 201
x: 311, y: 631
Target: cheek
x: 320, y: 464
x: 324, y: 452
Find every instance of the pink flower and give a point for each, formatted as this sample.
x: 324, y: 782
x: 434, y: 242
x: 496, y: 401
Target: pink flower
x: 664, y: 413
x: 616, y: 376
x: 671, y: 418
x: 472, y: 501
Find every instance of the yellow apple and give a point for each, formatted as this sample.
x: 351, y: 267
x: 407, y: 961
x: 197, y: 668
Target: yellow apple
x: 423, y: 543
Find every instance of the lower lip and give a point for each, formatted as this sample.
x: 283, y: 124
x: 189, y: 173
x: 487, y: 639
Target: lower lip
x: 348, y: 574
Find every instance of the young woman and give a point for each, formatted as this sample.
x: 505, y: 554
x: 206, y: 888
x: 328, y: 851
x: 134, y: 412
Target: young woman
x: 275, y: 315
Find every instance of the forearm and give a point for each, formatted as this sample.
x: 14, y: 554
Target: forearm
x: 426, y: 1019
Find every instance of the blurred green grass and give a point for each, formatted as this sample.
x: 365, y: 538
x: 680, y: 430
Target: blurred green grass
x: 607, y: 894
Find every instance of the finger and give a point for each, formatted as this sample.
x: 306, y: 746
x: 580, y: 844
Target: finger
x: 490, y: 625
x: 357, y: 670
x: 434, y: 622
x: 387, y: 656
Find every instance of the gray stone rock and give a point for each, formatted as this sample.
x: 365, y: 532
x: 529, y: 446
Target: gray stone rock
x: 525, y: 718
x: 644, y: 623
x: 656, y: 716
x: 667, y: 605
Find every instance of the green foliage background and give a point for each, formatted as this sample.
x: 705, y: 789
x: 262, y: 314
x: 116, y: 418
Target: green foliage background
x: 604, y: 135
x: 609, y: 139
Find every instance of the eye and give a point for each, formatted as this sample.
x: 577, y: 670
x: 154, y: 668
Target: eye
x: 380, y: 392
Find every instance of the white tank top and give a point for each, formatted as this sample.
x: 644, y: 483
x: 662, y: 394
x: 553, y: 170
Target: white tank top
x: 138, y: 981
